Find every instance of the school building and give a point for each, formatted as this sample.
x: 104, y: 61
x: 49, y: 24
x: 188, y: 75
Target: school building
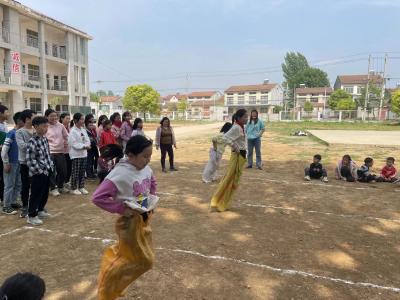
x: 44, y: 62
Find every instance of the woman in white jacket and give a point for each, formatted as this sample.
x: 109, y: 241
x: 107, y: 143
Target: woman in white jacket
x: 79, y: 143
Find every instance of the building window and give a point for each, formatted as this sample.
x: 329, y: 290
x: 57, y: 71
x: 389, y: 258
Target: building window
x: 77, y: 101
x: 349, y: 89
x: 229, y: 100
x: 264, y: 98
x: 64, y: 83
x: 63, y: 52
x: 359, y: 89
x: 46, y: 48
x: 33, y: 72
x: 55, y: 50
x: 83, y: 46
x: 76, y: 77
x: 252, y: 99
x: 314, y: 99
x: 32, y: 38
x: 240, y: 99
x: 36, y: 104
x: 83, y: 78
x: 84, y: 99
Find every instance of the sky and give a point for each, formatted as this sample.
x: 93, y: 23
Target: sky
x: 191, y: 45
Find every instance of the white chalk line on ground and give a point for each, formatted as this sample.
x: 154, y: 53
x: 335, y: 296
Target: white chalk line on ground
x: 282, y: 271
x: 294, y: 209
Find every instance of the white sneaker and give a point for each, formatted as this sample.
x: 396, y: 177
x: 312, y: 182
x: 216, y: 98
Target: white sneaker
x: 34, y: 221
x: 83, y: 191
x: 307, y: 178
x: 64, y: 190
x: 43, y: 214
x: 75, y: 192
x: 324, y: 179
x: 55, y: 193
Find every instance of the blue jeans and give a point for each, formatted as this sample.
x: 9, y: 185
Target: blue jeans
x: 12, y: 185
x: 251, y: 144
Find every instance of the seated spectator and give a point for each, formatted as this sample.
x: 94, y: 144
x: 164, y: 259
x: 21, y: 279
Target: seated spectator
x: 346, y: 169
x: 388, y: 172
x: 316, y: 170
x: 364, y: 174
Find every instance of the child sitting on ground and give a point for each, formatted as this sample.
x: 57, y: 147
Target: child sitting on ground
x: 364, y: 174
x: 25, y: 286
x: 346, y: 169
x: 316, y: 170
x: 216, y: 152
x: 389, y: 172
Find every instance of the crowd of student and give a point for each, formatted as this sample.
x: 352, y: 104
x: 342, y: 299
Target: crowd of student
x: 348, y: 170
x: 52, y: 154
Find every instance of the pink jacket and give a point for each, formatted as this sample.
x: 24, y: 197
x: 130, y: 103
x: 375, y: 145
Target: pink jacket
x: 126, y: 131
x: 57, y: 136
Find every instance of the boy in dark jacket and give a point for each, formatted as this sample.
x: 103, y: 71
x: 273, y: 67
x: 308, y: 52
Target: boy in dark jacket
x: 364, y: 174
x: 316, y: 170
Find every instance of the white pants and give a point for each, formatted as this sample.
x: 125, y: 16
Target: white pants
x: 210, y: 171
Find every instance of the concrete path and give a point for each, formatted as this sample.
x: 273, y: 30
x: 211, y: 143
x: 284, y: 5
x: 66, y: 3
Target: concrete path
x: 355, y: 137
x: 189, y: 131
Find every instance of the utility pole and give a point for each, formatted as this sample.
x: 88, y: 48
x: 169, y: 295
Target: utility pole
x: 367, y: 89
x: 383, y: 88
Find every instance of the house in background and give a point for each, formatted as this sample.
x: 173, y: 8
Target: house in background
x: 263, y: 97
x: 110, y: 104
x: 207, y: 96
x: 353, y: 84
x: 318, y: 97
x: 168, y: 104
x: 211, y: 109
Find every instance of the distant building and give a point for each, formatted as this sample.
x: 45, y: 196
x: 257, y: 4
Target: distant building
x: 204, y: 96
x: 353, y: 84
x: 263, y: 97
x: 109, y: 105
x: 169, y: 103
x: 202, y: 109
x: 318, y: 97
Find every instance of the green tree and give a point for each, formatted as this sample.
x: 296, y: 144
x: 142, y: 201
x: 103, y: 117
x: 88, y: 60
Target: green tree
x: 346, y: 104
x: 182, y: 106
x: 172, y: 106
x: 277, y: 109
x: 110, y: 93
x: 296, y: 71
x: 308, y: 107
x: 336, y: 96
x: 395, y: 103
x: 141, y: 98
x: 94, y: 97
x: 374, y: 98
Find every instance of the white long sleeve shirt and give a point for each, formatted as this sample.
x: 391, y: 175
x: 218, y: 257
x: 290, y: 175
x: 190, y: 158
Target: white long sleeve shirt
x: 77, y: 141
x: 236, y: 138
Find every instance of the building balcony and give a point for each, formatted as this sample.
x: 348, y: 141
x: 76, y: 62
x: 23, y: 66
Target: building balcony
x: 31, y: 81
x: 55, y: 51
x: 57, y: 85
x: 5, y: 34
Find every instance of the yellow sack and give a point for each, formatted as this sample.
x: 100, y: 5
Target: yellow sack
x: 131, y: 257
x: 229, y: 183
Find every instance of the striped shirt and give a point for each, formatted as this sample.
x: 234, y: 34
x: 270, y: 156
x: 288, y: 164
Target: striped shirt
x: 38, y: 156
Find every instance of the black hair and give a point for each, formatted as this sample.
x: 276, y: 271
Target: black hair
x: 137, y: 144
x: 88, y: 117
x: 239, y: 113
x: 25, y: 286
x: 101, y: 120
x: 136, y: 123
x: 62, y: 116
x: 27, y: 114
x: 226, y: 127
x: 391, y: 159
x: 251, y: 119
x: 49, y: 111
x: 39, y: 120
x: 233, y: 119
x: 368, y: 160
x: 17, y: 117
x: 106, y: 122
x: 165, y: 119
x: 109, y: 152
x: 347, y: 156
x: 125, y: 114
x: 318, y: 156
x: 114, y: 116
x: 3, y: 108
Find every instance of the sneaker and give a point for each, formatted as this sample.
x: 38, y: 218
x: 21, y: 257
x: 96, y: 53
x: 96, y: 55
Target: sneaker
x: 34, y: 221
x: 173, y: 169
x: 83, y: 191
x: 9, y: 211
x: 307, y: 178
x: 43, y: 214
x: 75, y: 192
x: 64, y: 190
x: 164, y: 170
x: 16, y: 206
x: 24, y: 212
x: 324, y: 179
x: 249, y: 167
x: 67, y: 185
x: 259, y: 167
x: 55, y: 193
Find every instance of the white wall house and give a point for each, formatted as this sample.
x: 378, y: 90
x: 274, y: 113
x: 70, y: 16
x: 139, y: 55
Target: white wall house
x: 207, y: 96
x: 318, y: 97
x: 353, y: 84
x: 263, y: 97
x: 43, y: 61
x: 110, y: 104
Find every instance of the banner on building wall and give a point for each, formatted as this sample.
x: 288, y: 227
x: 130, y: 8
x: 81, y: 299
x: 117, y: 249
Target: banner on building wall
x: 16, y: 60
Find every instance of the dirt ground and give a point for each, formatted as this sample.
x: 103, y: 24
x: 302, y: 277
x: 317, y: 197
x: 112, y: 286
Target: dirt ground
x: 282, y: 239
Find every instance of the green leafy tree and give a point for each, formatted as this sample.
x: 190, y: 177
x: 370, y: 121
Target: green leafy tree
x: 94, y: 97
x: 346, y: 104
x: 395, y: 103
x: 172, y: 106
x: 277, y: 109
x: 308, y: 107
x: 336, y: 96
x: 312, y: 77
x: 182, y: 106
x: 141, y: 98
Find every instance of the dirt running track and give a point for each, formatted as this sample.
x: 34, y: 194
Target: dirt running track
x: 282, y: 239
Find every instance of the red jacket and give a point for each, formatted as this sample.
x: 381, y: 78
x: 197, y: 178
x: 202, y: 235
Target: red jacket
x: 107, y: 138
x: 388, y: 172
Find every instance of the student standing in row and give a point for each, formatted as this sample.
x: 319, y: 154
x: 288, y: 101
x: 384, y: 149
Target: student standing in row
x: 254, y: 131
x: 137, y: 128
x: 23, y: 136
x: 126, y: 128
x: 40, y: 167
x: 165, y: 139
x: 93, y: 152
x: 107, y: 136
x: 116, y: 127
x: 100, y: 125
x: 12, y: 175
x: 3, y: 132
x: 79, y: 143
x: 65, y: 119
x: 57, y: 137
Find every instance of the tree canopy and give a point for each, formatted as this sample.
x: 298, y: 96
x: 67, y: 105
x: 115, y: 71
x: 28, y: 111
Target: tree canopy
x: 141, y: 98
x: 337, y: 96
